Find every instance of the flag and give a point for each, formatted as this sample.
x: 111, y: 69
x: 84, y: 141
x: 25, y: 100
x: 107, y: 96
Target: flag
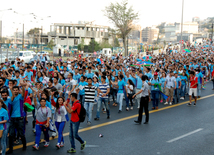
x: 102, y: 62
x: 25, y: 78
x: 159, y: 87
x: 28, y: 104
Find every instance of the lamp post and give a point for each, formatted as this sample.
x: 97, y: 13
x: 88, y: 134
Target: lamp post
x: 182, y: 25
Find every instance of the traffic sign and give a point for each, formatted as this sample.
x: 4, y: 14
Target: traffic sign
x: 181, y: 41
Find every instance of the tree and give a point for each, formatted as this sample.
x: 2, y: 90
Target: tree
x: 93, y: 46
x: 122, y: 17
x: 51, y: 44
x: 105, y: 44
x: 34, y: 33
x: 116, y: 42
x: 81, y: 45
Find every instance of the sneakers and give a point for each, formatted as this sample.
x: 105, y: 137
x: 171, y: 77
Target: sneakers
x: 165, y: 103
x: 96, y: 119
x: 88, y: 123
x: 46, y: 144
x: 58, y: 146
x: 131, y: 108
x: 36, y: 147
x: 108, y: 117
x: 71, y: 150
x: 194, y: 104
x: 127, y: 109
x: 138, y: 107
x: 189, y: 104
x: 182, y: 98
x: 170, y: 103
x: 83, y: 146
x: 61, y: 144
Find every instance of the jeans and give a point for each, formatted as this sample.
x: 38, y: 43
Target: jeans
x: 60, y: 127
x: 100, y: 100
x: 199, y: 89
x: 120, y: 100
x: 39, y: 129
x: 176, y: 95
x: 18, y: 125
x: 82, y: 99
x: 34, y: 117
x: 4, y: 141
x: 183, y: 90
x: 88, y: 107
x: 113, y: 92
x: 126, y: 98
x: 130, y: 99
x: 155, y: 98
x: 74, y: 127
x: 66, y: 96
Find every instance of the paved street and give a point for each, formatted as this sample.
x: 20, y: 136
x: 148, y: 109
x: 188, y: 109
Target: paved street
x: 172, y: 130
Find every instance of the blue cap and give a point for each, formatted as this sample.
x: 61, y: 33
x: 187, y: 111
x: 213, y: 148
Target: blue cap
x: 175, y: 72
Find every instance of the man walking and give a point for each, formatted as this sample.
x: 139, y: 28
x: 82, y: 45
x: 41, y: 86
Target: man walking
x: 193, y: 88
x: 74, y: 123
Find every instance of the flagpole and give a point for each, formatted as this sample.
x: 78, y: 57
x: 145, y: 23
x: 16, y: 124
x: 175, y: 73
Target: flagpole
x: 182, y: 25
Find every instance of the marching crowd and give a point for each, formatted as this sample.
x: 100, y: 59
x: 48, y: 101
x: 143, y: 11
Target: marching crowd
x: 54, y: 90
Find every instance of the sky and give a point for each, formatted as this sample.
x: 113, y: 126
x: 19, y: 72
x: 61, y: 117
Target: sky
x: 151, y: 12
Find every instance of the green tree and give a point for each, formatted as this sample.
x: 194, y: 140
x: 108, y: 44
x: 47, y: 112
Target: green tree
x: 81, y: 45
x: 93, y: 46
x: 51, y: 44
x: 116, y: 42
x: 105, y: 44
x: 34, y: 33
x: 122, y: 17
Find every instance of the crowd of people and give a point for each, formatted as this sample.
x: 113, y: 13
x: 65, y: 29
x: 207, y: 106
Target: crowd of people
x: 59, y: 88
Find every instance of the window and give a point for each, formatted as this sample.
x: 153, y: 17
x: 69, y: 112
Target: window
x: 105, y: 51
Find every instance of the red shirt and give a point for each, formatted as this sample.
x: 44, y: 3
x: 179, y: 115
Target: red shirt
x: 195, y: 80
x: 212, y: 73
x: 76, y: 110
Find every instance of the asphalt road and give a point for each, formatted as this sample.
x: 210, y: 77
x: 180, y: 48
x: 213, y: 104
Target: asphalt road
x: 172, y: 130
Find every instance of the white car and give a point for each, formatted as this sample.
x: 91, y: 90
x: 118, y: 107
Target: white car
x: 42, y: 52
x: 23, y: 55
x: 33, y: 53
x: 2, y: 59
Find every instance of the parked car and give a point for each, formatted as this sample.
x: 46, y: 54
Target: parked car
x: 2, y: 59
x: 42, y: 52
x: 36, y: 58
x: 23, y: 55
x: 33, y: 53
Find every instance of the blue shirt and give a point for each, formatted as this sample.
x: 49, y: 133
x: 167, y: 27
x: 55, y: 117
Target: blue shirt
x: 62, y: 82
x: 153, y: 81
x: 178, y: 79
x: 199, y: 76
x: 3, y: 116
x: 29, y: 75
x: 82, y: 92
x: 149, y: 75
x: 18, y: 106
x: 183, y: 78
x: 90, y: 75
x: 121, y: 85
x: 162, y: 80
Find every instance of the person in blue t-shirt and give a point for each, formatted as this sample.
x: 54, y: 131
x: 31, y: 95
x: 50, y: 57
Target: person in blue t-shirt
x: 184, y: 81
x: 4, y: 119
x: 29, y: 74
x: 200, y: 77
x: 178, y: 87
x: 82, y: 91
x: 17, y: 117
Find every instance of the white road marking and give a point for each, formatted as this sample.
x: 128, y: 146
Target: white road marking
x: 185, y: 135
x: 91, y: 145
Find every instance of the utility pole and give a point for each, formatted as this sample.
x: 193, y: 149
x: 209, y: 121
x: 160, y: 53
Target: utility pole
x: 41, y: 38
x: 23, y: 38
x: 182, y: 25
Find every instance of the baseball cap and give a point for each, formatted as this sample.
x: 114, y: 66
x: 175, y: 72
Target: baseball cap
x: 155, y: 74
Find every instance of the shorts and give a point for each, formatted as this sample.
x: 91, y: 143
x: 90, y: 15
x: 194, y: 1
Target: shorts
x: 169, y: 92
x: 193, y: 91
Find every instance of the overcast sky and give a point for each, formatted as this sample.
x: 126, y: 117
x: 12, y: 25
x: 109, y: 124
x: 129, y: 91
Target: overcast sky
x: 152, y: 12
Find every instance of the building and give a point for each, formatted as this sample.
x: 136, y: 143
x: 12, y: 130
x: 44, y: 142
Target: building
x: 149, y: 34
x: 0, y: 28
x: 196, y: 19
x: 71, y: 34
x: 172, y: 29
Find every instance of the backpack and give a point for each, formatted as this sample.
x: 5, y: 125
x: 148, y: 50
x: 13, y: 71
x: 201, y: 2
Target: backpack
x: 82, y: 113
